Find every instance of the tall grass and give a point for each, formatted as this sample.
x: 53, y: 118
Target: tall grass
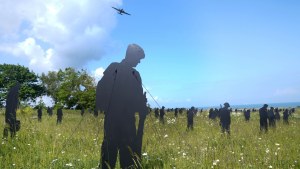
x: 76, y: 143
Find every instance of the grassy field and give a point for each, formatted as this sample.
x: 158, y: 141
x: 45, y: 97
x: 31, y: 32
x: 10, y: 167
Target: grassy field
x: 76, y: 143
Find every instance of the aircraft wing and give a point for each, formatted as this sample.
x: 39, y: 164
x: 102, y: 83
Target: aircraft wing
x: 116, y: 8
x: 125, y: 13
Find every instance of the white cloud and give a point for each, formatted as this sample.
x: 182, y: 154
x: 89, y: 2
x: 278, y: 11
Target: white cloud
x: 54, y: 34
x: 98, y: 73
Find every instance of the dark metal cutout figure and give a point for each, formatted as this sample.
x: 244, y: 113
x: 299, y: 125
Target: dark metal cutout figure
x: 12, y: 101
x: 120, y: 95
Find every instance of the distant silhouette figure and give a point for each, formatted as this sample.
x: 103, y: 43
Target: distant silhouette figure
x: 286, y: 116
x: 271, y: 116
x: 49, y: 111
x: 12, y: 102
x: 162, y: 115
x: 40, y: 113
x: 120, y: 95
x: 176, y: 112
x: 59, y: 114
x: 225, y: 118
x: 263, y: 115
x: 95, y: 112
x: 82, y: 112
x: 211, y: 114
x: 156, y: 112
x: 247, y: 114
x: 277, y: 115
x: 217, y: 112
x: 190, y: 118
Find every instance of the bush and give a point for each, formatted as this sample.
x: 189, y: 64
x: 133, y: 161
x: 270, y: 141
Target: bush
x: 26, y: 111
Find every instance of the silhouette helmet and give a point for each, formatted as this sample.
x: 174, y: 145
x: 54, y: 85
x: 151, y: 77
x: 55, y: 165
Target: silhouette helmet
x: 226, y: 104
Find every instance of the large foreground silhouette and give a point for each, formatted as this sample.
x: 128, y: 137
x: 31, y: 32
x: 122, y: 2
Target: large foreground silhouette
x: 120, y: 95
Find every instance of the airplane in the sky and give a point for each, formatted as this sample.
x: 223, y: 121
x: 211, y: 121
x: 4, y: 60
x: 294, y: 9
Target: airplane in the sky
x: 121, y: 11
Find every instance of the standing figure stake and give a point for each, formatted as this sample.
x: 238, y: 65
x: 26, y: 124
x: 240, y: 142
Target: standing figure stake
x: 120, y: 95
x: 12, y: 101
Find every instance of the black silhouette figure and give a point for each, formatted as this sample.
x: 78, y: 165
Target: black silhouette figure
x: 263, y: 115
x: 211, y: 114
x: 277, y: 115
x: 247, y: 114
x: 156, y: 112
x: 176, y: 112
x: 95, y: 112
x: 271, y: 116
x: 49, y: 111
x: 225, y: 118
x: 82, y: 112
x: 190, y: 118
x: 286, y: 116
x: 120, y: 95
x: 40, y: 114
x: 12, y: 101
x: 217, y: 112
x: 59, y: 114
x: 162, y: 115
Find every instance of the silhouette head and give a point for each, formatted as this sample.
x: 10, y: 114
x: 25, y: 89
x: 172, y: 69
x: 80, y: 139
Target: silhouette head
x: 134, y: 54
x: 226, y: 104
x: 265, y: 105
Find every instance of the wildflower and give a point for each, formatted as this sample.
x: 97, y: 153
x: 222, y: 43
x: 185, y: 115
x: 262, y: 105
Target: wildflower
x: 14, y: 164
x: 14, y: 148
x: 28, y: 144
x: 277, y: 144
x: 276, y: 153
x: 62, y: 152
x: 259, y: 138
x: 166, y: 136
x: 267, y: 150
x: 215, y: 162
x: 54, y: 160
x: 95, y: 139
x: 144, y: 154
x: 69, y: 165
x: 183, y: 154
x: 270, y: 166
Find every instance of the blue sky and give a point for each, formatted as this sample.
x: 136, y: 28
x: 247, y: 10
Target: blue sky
x: 198, y: 53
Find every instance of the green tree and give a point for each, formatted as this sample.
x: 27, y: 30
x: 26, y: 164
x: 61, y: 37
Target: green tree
x: 31, y: 87
x: 71, y: 88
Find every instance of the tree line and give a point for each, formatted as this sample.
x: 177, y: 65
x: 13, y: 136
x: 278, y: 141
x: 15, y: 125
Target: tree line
x: 67, y: 87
